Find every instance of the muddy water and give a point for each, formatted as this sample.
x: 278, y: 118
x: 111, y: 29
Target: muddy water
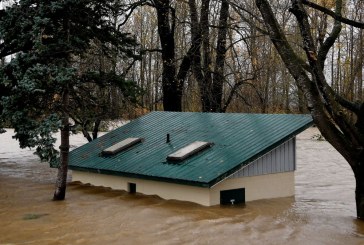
x: 322, y: 211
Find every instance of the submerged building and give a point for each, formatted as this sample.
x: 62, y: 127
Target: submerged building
x: 206, y: 158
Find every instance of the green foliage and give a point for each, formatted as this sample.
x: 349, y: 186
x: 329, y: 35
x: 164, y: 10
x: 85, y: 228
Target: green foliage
x: 46, y: 39
x: 110, y: 79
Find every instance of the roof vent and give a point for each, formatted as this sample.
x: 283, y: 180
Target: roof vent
x: 122, y: 145
x: 188, y: 150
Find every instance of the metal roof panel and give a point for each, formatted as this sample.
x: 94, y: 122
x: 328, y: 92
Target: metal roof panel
x: 238, y: 139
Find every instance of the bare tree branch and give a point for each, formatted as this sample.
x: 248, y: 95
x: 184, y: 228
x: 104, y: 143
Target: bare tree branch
x: 330, y: 40
x: 234, y: 88
x: 130, y: 9
x: 150, y: 50
x: 333, y: 14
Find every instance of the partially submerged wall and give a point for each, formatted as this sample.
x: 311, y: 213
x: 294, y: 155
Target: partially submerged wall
x: 148, y: 187
x: 256, y: 187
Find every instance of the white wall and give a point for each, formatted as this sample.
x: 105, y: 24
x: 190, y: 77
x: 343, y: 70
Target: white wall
x: 165, y: 190
x: 256, y: 187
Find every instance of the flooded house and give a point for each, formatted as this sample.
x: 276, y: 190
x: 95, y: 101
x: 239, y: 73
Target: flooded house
x: 206, y: 158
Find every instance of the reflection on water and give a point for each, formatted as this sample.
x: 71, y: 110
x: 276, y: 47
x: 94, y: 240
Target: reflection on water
x: 322, y: 211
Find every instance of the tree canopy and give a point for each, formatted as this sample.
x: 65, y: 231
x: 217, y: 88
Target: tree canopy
x: 43, y: 81
x: 46, y: 39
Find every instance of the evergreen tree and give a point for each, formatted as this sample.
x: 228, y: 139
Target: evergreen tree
x: 40, y: 82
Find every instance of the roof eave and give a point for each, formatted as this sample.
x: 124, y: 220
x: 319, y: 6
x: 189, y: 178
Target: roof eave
x: 139, y: 176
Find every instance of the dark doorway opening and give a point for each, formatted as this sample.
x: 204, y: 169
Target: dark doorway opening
x: 234, y: 196
x: 132, y: 187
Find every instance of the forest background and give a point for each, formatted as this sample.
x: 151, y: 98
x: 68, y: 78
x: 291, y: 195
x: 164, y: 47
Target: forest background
x: 216, y: 56
x: 233, y: 65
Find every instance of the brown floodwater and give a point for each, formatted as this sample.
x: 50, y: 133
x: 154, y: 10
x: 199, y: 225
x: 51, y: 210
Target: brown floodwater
x: 321, y: 212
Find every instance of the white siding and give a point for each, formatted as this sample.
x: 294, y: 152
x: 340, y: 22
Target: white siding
x: 257, y: 187
x: 164, y: 190
x: 279, y: 160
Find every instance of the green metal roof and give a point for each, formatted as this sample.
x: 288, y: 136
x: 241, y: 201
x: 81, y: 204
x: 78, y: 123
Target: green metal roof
x: 237, y: 140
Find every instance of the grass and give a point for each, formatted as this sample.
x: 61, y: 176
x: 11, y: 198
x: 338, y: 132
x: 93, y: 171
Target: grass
x: 33, y: 216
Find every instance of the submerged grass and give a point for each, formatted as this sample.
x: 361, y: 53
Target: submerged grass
x: 33, y: 216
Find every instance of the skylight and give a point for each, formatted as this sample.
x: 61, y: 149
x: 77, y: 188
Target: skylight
x: 188, y: 150
x: 122, y: 145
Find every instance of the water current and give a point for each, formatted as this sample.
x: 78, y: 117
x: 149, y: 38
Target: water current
x: 321, y: 212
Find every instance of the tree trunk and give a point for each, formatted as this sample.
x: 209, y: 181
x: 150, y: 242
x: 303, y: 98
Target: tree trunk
x: 359, y: 190
x: 95, y: 131
x: 217, y: 87
x: 172, y: 89
x: 61, y: 182
x: 325, y: 106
